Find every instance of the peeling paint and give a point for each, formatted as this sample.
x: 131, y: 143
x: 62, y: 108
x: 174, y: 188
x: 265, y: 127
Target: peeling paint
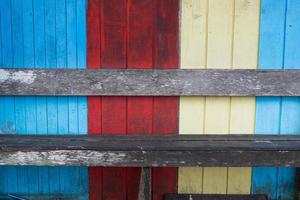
x: 26, y: 77
x: 62, y: 157
x: 7, y: 128
x: 4, y: 75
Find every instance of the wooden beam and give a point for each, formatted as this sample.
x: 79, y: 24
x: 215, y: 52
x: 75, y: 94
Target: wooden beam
x: 173, y: 82
x: 150, y: 151
x: 145, y: 192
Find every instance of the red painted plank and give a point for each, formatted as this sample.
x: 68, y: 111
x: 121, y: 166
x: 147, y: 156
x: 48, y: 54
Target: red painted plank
x: 95, y: 177
x: 93, y: 32
x: 113, y: 55
x: 139, y: 55
x: 132, y: 34
x: 94, y: 103
x: 165, y: 109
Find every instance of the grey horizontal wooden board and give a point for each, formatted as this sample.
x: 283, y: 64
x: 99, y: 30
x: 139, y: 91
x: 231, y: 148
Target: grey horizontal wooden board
x: 127, y: 82
x: 149, y: 151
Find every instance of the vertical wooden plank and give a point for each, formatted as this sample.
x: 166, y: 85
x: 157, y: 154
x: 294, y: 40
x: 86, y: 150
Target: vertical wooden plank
x: 141, y: 35
x: 128, y: 39
x: 51, y: 62
x: 71, y: 18
x: 69, y: 113
x: 38, y: 40
x: 30, y: 102
x: 113, y: 53
x: 217, y: 110
x: 193, y: 56
x: 290, y: 110
x: 140, y: 53
x: 18, y: 60
x: 81, y: 40
x: 7, y: 119
x: 61, y: 53
x: 94, y: 103
x: 242, y: 113
x: 268, y: 110
x: 108, y: 114
x: 41, y: 102
x: 165, y: 109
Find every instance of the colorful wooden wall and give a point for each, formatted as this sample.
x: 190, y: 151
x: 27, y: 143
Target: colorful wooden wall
x: 279, y: 49
x: 132, y: 34
x: 218, y: 34
x: 165, y: 34
x: 43, y: 34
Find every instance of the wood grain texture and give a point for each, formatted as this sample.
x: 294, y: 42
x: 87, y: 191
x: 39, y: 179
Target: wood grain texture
x: 228, y: 31
x: 62, y: 82
x: 279, y: 30
x: 150, y: 151
x: 245, y: 56
x: 33, y: 37
x: 133, y: 35
x: 107, y: 46
x: 145, y: 192
x: 193, y: 56
x: 268, y: 110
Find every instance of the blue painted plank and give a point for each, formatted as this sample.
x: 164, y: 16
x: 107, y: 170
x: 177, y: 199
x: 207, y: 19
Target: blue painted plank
x: 7, y: 118
x: 290, y: 117
x: 52, y: 103
x: 1, y: 48
x: 268, y: 109
x: 81, y: 62
x: 18, y: 178
x: 43, y: 31
x: 50, y: 38
x: 279, y: 48
x: 6, y: 33
x: 73, y: 174
x: 81, y: 41
x: 30, y: 177
x: 61, y: 53
x: 72, y: 58
x: 67, y: 175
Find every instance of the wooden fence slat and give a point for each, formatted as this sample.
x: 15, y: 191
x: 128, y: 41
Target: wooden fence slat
x: 150, y: 151
x: 150, y: 82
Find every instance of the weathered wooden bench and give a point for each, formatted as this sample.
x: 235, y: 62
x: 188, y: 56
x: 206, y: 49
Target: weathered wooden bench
x: 151, y: 151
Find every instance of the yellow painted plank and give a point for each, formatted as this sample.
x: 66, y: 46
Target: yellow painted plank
x: 193, y: 33
x: 220, y: 28
x: 217, y: 110
x: 190, y: 180
x: 245, y: 51
x: 214, y: 180
x: 217, y: 34
x: 191, y: 115
x: 193, y: 56
x: 246, y: 34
